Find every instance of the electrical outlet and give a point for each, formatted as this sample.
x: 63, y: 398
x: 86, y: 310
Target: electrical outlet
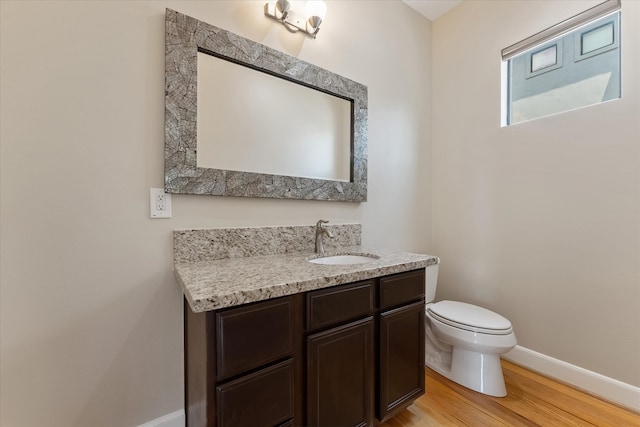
x: 159, y: 203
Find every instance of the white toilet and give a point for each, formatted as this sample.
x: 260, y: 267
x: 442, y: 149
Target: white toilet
x: 464, y: 342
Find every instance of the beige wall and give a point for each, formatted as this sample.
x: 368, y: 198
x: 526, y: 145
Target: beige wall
x: 91, y: 314
x: 539, y: 221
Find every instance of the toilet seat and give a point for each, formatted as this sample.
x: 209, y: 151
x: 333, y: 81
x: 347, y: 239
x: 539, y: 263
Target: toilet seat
x: 470, y: 318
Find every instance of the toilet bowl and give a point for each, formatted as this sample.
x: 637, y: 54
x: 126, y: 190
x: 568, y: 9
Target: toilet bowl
x: 464, y: 342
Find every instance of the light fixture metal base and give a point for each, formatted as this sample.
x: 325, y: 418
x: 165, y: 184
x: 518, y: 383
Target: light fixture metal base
x: 293, y: 21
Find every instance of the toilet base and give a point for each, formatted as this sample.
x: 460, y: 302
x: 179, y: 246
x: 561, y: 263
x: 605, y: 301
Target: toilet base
x: 476, y: 371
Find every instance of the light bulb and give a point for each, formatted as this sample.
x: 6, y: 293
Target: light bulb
x: 316, y: 8
x: 282, y: 6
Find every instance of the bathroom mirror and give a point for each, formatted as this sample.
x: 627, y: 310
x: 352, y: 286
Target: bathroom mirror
x: 219, y: 139
x: 283, y: 139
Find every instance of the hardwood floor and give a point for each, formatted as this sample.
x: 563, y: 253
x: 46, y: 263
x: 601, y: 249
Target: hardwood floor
x: 532, y: 400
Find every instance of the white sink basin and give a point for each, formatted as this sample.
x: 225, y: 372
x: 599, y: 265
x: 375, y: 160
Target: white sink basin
x: 344, y: 259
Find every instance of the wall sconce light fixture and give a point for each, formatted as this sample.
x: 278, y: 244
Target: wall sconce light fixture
x: 280, y: 10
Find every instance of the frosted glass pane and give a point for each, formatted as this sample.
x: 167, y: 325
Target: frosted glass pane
x: 544, y: 58
x: 595, y: 39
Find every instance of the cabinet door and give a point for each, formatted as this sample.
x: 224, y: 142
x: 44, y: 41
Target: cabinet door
x: 401, y: 358
x: 340, y: 376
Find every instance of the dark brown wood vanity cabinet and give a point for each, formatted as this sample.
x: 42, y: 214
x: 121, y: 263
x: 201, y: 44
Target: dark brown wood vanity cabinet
x: 348, y: 355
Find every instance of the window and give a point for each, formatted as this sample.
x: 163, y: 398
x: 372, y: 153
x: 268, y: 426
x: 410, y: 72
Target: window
x: 571, y: 65
x: 544, y: 58
x: 594, y: 41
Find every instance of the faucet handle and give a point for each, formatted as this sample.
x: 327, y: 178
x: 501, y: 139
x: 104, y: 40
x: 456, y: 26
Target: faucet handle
x: 322, y: 229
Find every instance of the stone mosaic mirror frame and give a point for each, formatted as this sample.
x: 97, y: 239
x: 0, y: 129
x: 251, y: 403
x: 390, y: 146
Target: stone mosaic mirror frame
x: 184, y: 38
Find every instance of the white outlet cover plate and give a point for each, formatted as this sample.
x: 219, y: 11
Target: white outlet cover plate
x: 154, y: 193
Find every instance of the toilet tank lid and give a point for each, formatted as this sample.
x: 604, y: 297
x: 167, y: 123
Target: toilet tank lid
x: 470, y: 315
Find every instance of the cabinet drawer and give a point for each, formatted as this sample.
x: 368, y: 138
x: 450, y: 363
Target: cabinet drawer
x: 339, y: 304
x: 402, y: 288
x: 254, y: 335
x: 261, y: 399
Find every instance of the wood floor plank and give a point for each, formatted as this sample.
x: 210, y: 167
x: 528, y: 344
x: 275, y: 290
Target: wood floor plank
x: 568, y: 400
x: 467, y: 409
x: 533, y: 400
x: 587, y: 406
x: 537, y: 410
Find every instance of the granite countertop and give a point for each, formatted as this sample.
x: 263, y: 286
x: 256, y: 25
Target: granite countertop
x: 218, y: 283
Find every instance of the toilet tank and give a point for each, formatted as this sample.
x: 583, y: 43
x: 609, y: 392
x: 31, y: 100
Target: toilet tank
x: 431, y: 279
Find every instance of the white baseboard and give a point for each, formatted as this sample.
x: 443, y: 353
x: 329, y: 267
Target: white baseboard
x: 174, y: 419
x: 607, y: 388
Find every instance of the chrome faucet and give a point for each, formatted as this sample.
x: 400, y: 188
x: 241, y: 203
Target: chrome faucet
x: 321, y: 231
